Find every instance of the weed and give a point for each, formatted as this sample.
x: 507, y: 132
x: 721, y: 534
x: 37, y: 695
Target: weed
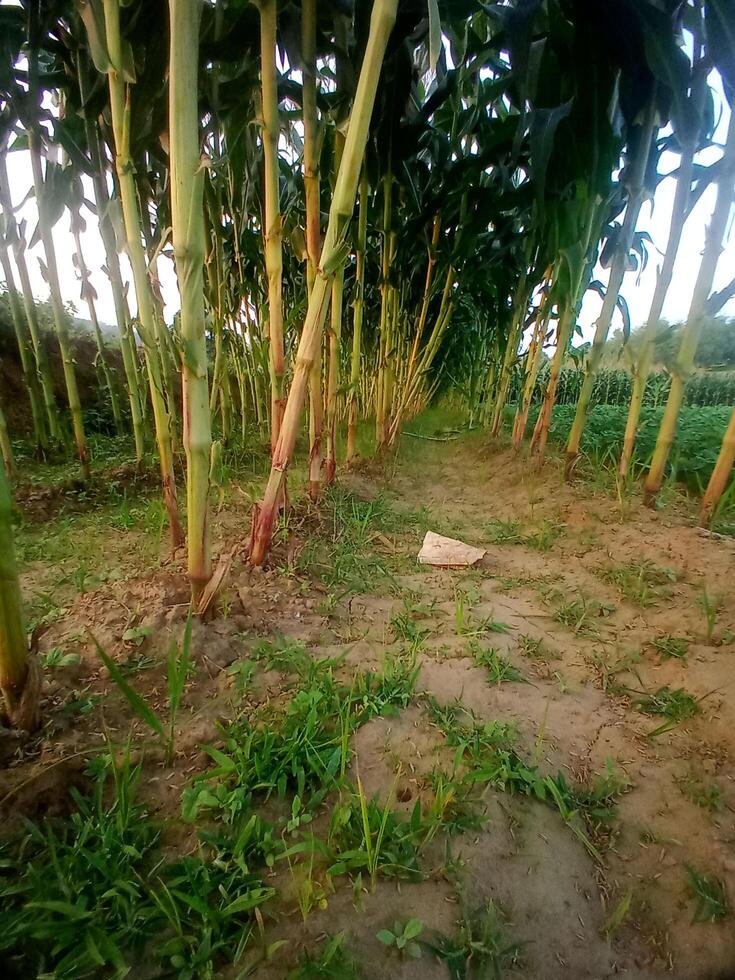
x: 580, y: 615
x: 504, y: 532
x: 137, y: 634
x: 80, y: 878
x: 674, y: 705
x: 618, y: 915
x: 57, y: 658
x: 481, y: 948
x: 403, y: 937
x: 706, y: 795
x: 367, y: 837
x: 608, y: 668
x: 486, y: 754
x: 81, y: 703
x: 332, y: 963
x: 710, y: 605
x: 242, y: 671
x: 209, y: 900
x: 545, y: 536
x: 710, y: 896
x: 671, y: 647
x: 639, y: 581
x: 498, y: 668
x: 302, y: 746
x: 178, y: 668
x: 535, y: 649
x: 405, y: 628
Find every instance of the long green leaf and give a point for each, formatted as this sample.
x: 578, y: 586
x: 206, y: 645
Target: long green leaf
x: 136, y: 702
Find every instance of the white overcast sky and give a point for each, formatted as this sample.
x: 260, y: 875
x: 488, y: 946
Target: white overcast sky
x: 637, y: 293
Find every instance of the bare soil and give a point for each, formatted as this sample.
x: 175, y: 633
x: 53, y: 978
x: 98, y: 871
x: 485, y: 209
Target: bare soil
x: 575, y: 711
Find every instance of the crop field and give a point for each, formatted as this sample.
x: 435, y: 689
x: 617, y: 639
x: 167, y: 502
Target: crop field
x: 367, y: 490
x: 373, y: 767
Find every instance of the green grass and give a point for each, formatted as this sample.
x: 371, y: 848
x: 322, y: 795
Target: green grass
x: 332, y: 962
x: 301, y: 747
x: 542, y: 538
x: 711, y: 901
x: 698, y: 438
x: 705, y: 794
x: 344, y: 555
x: 581, y: 616
x: 480, y: 948
x: 675, y: 706
x: 73, y: 891
x: 639, y: 580
x: 497, y: 667
x: 671, y: 647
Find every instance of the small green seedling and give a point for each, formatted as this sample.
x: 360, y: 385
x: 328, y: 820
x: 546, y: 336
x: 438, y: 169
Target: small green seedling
x: 57, y: 658
x: 403, y: 937
x: 710, y: 896
x: 710, y: 606
x: 178, y: 667
x: 674, y: 705
x: 671, y: 647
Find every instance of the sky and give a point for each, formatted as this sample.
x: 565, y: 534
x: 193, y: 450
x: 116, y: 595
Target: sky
x: 637, y: 290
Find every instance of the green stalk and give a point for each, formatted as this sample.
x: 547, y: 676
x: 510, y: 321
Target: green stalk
x: 520, y: 302
x: 6, y: 450
x: 565, y: 326
x: 359, y: 307
x: 25, y: 351
x: 272, y: 233
x: 124, y: 166
x: 313, y: 229
x: 333, y: 257
x: 414, y: 383
x: 642, y: 366
x: 533, y: 364
x: 112, y: 262
x: 57, y: 305
x: 684, y: 363
x: 19, y: 675
x: 720, y: 475
x: 636, y: 194
x: 45, y: 228
x: 89, y: 294
x: 335, y: 341
x: 29, y: 305
x: 381, y: 415
x: 187, y: 214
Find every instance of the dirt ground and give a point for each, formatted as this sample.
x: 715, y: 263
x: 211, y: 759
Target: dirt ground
x: 588, y: 634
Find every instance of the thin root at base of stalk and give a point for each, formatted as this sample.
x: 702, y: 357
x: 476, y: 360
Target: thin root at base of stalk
x: 570, y: 467
x: 23, y: 708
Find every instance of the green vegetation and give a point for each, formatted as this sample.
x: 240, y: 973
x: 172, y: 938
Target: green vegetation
x: 355, y: 238
x: 711, y: 901
x: 639, y: 581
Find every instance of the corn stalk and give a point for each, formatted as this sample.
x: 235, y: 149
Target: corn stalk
x: 187, y: 213
x: 359, y: 307
x: 105, y: 208
x: 25, y: 350
x: 313, y: 230
x: 29, y: 307
x: 642, y: 363
x: 333, y: 257
x: 111, y: 60
x: 684, y: 363
x: 720, y: 475
x: 636, y: 194
x: 272, y: 233
x: 19, y: 673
